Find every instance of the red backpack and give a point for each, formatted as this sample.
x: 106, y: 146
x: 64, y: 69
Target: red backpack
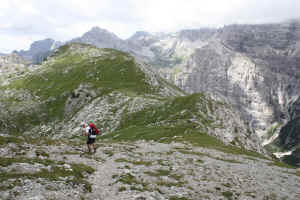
x: 94, y: 128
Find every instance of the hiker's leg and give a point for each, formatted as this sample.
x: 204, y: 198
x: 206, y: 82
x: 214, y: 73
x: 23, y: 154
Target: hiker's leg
x: 90, y: 148
x: 94, y: 146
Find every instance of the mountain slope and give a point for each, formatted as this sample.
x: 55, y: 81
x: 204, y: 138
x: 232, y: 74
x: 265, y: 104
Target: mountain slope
x: 75, y: 70
x: 157, y: 141
x: 83, y: 83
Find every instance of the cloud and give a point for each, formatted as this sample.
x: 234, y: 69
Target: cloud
x: 22, y: 22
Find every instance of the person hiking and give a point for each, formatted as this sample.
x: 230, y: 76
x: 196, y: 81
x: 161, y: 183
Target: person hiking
x: 90, y: 131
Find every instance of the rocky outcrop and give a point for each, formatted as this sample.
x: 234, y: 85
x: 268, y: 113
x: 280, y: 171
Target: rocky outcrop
x: 12, y: 66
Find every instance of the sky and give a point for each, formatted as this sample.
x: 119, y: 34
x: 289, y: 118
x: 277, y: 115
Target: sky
x: 25, y: 21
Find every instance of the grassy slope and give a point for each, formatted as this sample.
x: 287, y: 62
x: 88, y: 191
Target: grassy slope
x: 176, y: 120
x: 57, y: 79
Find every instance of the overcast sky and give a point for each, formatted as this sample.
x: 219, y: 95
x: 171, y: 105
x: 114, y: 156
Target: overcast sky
x: 25, y: 21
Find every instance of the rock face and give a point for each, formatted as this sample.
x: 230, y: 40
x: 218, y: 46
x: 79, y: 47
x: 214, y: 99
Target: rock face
x: 254, y: 67
x: 39, y: 50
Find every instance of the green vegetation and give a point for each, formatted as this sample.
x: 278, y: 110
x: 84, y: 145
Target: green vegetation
x: 76, y: 174
x: 139, y: 162
x: 10, y: 139
x: 228, y: 160
x: 4, y: 162
x: 177, y: 111
x: 182, y: 119
x: 41, y: 153
x: 178, y: 198
x: 158, y: 173
x: 272, y: 130
x: 169, y: 183
x: 277, y: 163
x: 109, y: 153
x: 128, y: 179
x: 121, y: 189
x: 227, y: 194
x: 56, y: 81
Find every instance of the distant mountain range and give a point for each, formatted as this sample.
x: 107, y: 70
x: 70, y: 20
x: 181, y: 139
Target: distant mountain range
x: 39, y: 50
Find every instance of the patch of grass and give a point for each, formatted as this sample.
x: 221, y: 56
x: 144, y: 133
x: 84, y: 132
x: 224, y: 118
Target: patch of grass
x: 70, y: 153
x: 272, y: 130
x: 109, y: 153
x: 128, y: 179
x: 227, y: 185
x: 42, y: 153
x: 10, y: 139
x: 133, y: 187
x: 176, y: 176
x: 227, y: 194
x: 4, y: 162
x: 177, y: 198
x: 281, y: 164
x: 250, y: 158
x: 183, y: 151
x: 228, y: 160
x: 55, y: 173
x: 122, y: 189
x: 236, y: 141
x: 139, y: 162
x: 158, y: 173
x: 175, y: 111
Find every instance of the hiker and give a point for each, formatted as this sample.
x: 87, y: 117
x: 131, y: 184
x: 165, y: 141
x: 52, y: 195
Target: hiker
x: 90, y: 131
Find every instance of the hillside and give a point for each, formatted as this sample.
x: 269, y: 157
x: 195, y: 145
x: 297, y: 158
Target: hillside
x: 157, y: 141
x: 83, y: 83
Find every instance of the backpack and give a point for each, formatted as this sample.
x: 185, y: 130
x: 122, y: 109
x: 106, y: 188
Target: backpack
x: 94, y: 130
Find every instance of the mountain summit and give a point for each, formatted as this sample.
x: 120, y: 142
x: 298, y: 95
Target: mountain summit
x: 102, y: 38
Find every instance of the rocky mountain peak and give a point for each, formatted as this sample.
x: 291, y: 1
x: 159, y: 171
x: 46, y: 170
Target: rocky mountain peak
x: 102, y: 38
x: 98, y: 32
